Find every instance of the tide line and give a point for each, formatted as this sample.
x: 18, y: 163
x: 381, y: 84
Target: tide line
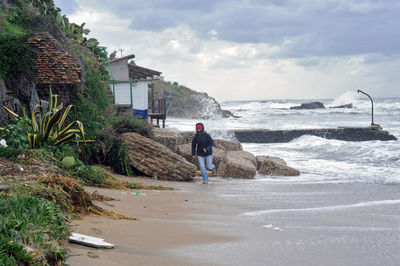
x: 327, y: 208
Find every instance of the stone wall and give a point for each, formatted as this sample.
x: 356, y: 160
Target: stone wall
x: 341, y: 133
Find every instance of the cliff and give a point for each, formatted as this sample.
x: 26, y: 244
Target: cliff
x: 187, y: 103
x: 40, y: 49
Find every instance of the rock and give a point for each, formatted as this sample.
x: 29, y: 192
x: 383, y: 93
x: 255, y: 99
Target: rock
x: 374, y: 132
x: 187, y: 103
x: 238, y: 164
x: 311, y: 105
x: 187, y: 136
x: 350, y: 105
x: 227, y: 114
x: 274, y: 166
x: 185, y: 150
x: 23, y: 86
x: 155, y: 159
x: 245, y: 155
x: 168, y: 138
x: 228, y: 145
x: 4, y: 188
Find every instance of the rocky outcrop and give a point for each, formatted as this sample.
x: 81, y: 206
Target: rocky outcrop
x: 185, y: 150
x: 187, y: 136
x: 156, y: 160
x: 24, y: 89
x: 187, y: 103
x: 238, y: 164
x: 350, y: 105
x: 228, y: 145
x: 168, y: 138
x: 228, y: 156
x: 274, y: 166
x: 196, y: 105
x: 311, y: 105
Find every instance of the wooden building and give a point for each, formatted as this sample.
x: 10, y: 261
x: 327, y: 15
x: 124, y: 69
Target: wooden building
x: 130, y: 85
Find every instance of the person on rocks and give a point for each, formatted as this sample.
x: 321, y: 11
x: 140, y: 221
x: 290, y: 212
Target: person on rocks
x: 202, y: 147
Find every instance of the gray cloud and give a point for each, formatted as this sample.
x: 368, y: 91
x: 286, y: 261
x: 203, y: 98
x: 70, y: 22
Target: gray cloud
x: 67, y: 6
x: 299, y: 28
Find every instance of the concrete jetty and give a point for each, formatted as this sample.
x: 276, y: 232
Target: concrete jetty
x: 374, y: 132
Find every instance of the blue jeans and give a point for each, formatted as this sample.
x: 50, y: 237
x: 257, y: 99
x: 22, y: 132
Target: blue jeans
x: 202, y: 161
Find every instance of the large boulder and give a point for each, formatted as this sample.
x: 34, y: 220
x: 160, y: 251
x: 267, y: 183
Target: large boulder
x: 168, y: 138
x: 157, y: 160
x: 187, y: 136
x: 311, y: 105
x: 267, y: 165
x: 185, y: 150
x: 238, y: 164
x: 228, y: 145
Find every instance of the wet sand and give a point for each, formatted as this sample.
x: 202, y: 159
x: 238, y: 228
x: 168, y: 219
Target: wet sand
x: 247, y: 222
x: 165, y: 220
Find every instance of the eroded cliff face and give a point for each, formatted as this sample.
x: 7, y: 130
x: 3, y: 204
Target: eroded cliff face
x: 187, y: 103
x: 30, y: 65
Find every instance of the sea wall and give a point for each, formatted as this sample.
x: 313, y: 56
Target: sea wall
x: 342, y: 133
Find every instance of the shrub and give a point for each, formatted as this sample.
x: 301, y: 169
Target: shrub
x: 10, y: 152
x: 126, y: 124
x: 34, y: 222
x: 90, y: 175
x: 47, y: 125
x: 113, y: 151
x: 15, y: 133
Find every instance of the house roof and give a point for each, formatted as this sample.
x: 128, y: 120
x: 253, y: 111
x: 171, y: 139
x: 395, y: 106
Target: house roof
x: 123, y: 58
x: 53, y: 63
x: 138, y: 72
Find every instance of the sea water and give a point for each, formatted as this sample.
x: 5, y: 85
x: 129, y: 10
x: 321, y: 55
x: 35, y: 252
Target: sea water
x: 343, y: 209
x: 318, y: 159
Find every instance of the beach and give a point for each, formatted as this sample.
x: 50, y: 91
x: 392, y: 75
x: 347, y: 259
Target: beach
x: 247, y: 222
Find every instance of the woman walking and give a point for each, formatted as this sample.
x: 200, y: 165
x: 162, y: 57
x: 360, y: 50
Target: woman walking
x: 202, y: 147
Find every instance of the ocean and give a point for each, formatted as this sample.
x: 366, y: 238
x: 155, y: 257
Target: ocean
x: 318, y: 159
x: 343, y: 209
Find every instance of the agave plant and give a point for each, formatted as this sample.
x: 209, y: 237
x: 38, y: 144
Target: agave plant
x: 48, y: 124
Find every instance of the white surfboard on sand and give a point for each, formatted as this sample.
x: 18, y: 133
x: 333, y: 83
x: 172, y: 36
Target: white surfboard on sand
x: 89, y: 241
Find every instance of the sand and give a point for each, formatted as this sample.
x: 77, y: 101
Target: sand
x: 247, y: 222
x: 165, y: 220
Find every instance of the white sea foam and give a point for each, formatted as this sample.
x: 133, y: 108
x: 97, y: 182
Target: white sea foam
x: 346, y: 228
x: 327, y: 208
x: 346, y: 98
x: 318, y: 159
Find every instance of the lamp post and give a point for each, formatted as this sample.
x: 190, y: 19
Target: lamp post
x: 372, y: 106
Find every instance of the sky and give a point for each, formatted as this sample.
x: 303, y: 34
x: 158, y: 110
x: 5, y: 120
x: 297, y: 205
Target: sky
x: 255, y: 49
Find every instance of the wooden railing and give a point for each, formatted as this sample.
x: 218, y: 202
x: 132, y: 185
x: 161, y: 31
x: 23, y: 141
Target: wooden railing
x: 158, y: 111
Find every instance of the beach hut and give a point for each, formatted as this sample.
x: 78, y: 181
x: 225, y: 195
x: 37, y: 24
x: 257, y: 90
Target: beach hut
x: 130, y: 84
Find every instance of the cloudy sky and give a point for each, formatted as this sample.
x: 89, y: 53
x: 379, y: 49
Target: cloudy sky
x: 255, y: 49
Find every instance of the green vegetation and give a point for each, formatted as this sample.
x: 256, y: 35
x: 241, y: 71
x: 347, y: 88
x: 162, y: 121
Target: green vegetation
x: 47, y: 125
x: 29, y: 221
x: 92, y: 103
x: 15, y: 133
x: 35, y: 215
x: 68, y: 161
x: 17, y: 22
